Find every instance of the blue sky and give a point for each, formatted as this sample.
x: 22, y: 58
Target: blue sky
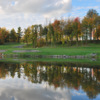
x: 15, y: 13
x: 80, y: 7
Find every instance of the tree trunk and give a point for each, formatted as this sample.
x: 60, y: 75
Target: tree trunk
x: 46, y: 40
x: 86, y: 37
x: 76, y: 39
x: 90, y: 34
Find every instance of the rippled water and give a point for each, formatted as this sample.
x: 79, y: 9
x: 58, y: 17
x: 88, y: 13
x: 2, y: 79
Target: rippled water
x: 49, y: 81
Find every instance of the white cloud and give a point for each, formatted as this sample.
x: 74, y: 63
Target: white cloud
x: 36, y: 6
x: 21, y: 89
x: 14, y: 13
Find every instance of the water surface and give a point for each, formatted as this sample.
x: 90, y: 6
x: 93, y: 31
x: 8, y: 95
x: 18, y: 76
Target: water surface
x: 49, y: 81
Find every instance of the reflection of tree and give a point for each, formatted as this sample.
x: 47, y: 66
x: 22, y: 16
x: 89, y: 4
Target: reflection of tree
x: 56, y: 75
x: 3, y: 71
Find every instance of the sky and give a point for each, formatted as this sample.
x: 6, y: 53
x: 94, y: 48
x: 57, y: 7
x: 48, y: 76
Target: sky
x: 24, y: 13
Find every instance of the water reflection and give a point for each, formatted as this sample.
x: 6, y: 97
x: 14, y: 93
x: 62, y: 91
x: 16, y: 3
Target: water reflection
x: 48, y: 81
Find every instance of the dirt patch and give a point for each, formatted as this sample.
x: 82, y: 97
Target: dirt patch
x: 2, y: 51
x: 20, y: 46
x: 21, y: 51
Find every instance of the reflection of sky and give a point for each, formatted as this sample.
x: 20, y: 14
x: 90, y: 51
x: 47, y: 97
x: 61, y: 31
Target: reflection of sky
x: 81, y: 95
x: 21, y: 89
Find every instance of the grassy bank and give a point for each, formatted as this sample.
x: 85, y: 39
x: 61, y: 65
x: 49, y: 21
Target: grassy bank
x: 59, y: 50
x: 74, y: 62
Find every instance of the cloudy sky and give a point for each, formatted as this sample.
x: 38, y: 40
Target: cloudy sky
x: 15, y: 13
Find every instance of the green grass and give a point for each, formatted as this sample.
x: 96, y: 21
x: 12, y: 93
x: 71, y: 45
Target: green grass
x: 8, y: 46
x: 59, y: 50
x: 80, y: 62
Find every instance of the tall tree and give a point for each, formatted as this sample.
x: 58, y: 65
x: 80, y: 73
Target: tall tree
x: 34, y: 35
x: 4, y: 35
x: 68, y: 30
x: 40, y: 30
x: 19, y: 33
x: 62, y: 26
x: 85, y: 25
x: 51, y: 33
x: 57, y: 30
x: 97, y: 33
x: 97, y: 21
x: 76, y: 28
x: 13, y: 35
x: 91, y: 13
x: 91, y: 26
x: 27, y: 35
x: 45, y: 31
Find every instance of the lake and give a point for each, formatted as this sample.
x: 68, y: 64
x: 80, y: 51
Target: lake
x: 49, y: 81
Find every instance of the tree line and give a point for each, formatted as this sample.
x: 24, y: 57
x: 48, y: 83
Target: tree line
x: 7, y: 36
x: 72, y: 30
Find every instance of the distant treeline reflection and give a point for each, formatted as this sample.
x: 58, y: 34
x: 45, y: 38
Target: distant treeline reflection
x: 56, y: 75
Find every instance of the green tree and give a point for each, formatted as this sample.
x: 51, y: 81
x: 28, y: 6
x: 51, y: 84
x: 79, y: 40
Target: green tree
x: 91, y: 26
x: 19, y: 33
x: 97, y: 21
x: 4, y: 35
x: 68, y: 30
x: 97, y: 33
x: 27, y: 35
x: 85, y: 26
x: 76, y: 28
x: 40, y: 30
x: 13, y: 35
x: 91, y: 13
x: 34, y: 35
x: 51, y: 33
x: 45, y: 31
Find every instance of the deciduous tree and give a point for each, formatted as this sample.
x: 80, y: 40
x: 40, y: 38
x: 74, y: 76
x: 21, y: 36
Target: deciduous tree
x: 76, y: 28
x: 97, y: 33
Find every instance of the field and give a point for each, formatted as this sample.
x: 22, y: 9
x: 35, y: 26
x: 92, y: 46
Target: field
x: 59, y: 50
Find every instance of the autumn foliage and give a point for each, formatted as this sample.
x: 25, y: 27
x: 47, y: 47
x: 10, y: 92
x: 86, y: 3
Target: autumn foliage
x: 57, y: 32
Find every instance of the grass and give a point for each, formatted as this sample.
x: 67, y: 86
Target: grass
x: 59, y: 50
x: 8, y: 46
x: 80, y: 62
